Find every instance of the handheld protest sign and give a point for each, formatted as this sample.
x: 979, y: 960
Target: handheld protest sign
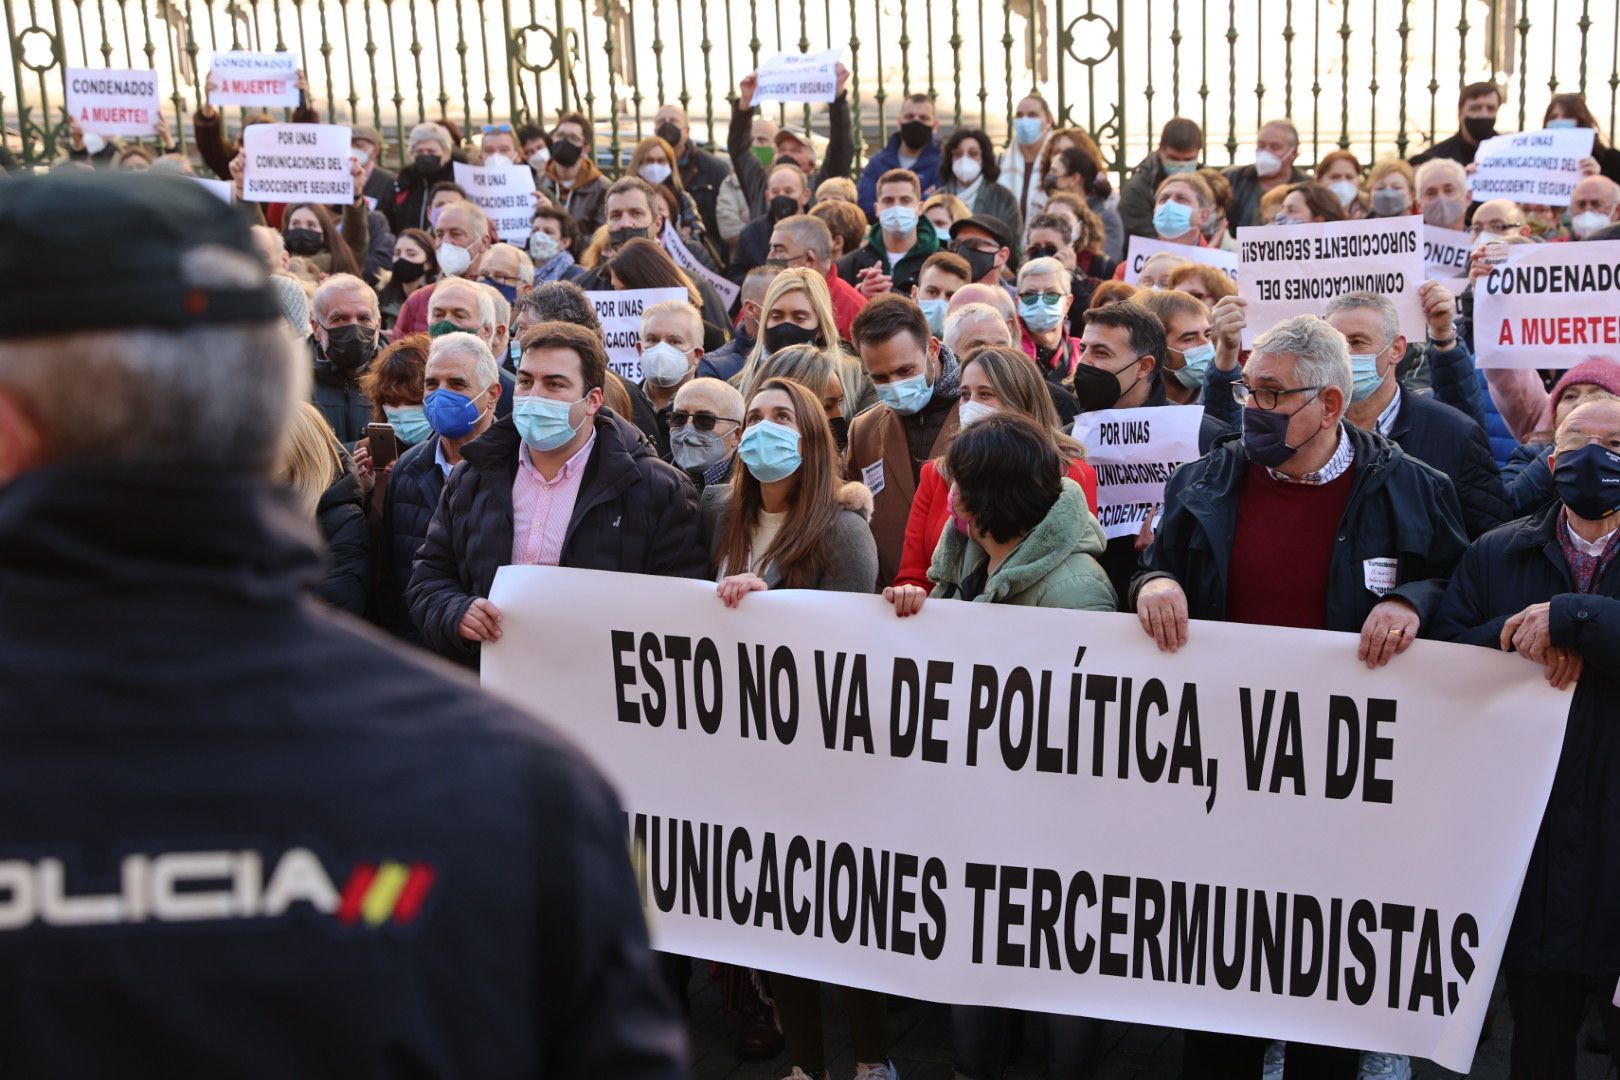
x: 793, y: 77
x: 113, y: 102
x: 620, y: 316
x: 1135, y: 452
x: 727, y: 289
x: 1238, y: 837
x: 1143, y: 248
x: 255, y: 79
x: 505, y: 193
x: 1445, y: 253
x: 1540, y: 167
x: 1548, y: 305
x: 1290, y: 270
x: 297, y: 163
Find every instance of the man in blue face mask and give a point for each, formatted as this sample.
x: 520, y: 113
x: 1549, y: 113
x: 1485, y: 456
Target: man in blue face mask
x: 1295, y: 524
x: 1435, y: 433
x: 563, y: 482
x: 462, y: 386
x: 1545, y: 586
x: 916, y: 380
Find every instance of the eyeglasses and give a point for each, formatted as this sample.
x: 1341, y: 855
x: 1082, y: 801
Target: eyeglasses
x: 1264, y: 398
x: 1041, y: 297
x: 703, y: 421
x: 1042, y: 251
x: 500, y: 279
x: 1493, y: 227
x: 491, y: 129
x: 968, y: 245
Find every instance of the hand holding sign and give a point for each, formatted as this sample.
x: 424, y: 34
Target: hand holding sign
x: 1226, y: 324
x: 1439, y: 311
x: 795, y: 77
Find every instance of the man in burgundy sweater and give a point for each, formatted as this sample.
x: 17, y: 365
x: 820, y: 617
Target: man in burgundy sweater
x: 1303, y: 521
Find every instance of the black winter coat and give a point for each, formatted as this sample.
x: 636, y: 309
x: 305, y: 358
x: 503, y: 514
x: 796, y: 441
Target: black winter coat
x: 333, y: 391
x: 1528, y: 481
x: 341, y: 517
x: 1399, y: 508
x: 702, y: 176
x: 408, y: 208
x: 414, y: 485
x: 1566, y: 915
x: 1446, y: 439
x: 166, y: 687
x: 634, y: 513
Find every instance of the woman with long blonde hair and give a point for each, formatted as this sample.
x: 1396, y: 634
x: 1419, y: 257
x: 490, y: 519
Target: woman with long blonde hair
x: 327, y: 490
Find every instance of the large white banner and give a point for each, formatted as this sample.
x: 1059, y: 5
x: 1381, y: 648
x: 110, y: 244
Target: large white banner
x: 1532, y: 167
x: 1135, y: 452
x: 620, y: 316
x: 254, y: 79
x: 1036, y: 809
x: 1143, y: 248
x: 1548, y: 305
x: 805, y: 77
x: 1296, y: 269
x: 113, y: 102
x: 505, y: 193
x: 292, y: 163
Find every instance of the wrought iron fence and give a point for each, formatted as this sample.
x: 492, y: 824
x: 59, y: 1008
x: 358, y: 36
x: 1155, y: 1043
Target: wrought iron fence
x: 1374, y: 76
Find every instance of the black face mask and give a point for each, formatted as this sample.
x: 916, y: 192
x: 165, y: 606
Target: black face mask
x: 565, y: 153
x: 783, y: 206
x: 840, y: 432
x: 1098, y: 388
x: 303, y: 241
x: 669, y: 133
x: 783, y: 334
x: 1479, y: 128
x: 405, y: 271
x: 620, y: 237
x: 979, y: 262
x: 1588, y: 481
x: 915, y: 134
x: 427, y: 163
x: 351, y: 347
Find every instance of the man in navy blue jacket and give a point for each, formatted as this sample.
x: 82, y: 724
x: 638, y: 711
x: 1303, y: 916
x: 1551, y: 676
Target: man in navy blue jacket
x: 241, y: 835
x: 913, y: 146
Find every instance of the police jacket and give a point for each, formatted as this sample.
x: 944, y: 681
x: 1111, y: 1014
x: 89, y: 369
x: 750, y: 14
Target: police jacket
x: 243, y: 836
x: 1398, y: 509
x: 1565, y: 920
x: 633, y: 513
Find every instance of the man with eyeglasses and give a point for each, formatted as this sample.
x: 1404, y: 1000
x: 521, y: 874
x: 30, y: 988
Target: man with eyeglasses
x: 1304, y: 521
x: 1545, y: 586
x: 705, y: 427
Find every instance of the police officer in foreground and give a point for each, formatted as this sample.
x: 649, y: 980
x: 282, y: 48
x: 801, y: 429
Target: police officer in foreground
x: 240, y: 835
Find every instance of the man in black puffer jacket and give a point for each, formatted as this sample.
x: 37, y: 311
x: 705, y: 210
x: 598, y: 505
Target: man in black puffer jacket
x: 462, y: 385
x: 562, y: 482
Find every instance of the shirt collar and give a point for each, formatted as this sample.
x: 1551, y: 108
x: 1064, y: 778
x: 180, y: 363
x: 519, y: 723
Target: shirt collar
x: 1392, y: 411
x: 1584, y: 546
x: 718, y: 472
x: 438, y: 456
x: 570, y: 467
x: 1337, y: 465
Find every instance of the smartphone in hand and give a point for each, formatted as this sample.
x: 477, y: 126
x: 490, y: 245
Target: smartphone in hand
x: 384, y: 445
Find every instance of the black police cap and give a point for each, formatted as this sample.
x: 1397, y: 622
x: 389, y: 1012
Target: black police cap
x: 84, y: 250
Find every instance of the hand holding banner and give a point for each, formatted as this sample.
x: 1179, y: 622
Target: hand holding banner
x: 1548, y: 305
x: 1290, y: 270
x: 620, y: 316
x: 1055, y: 816
x: 109, y: 102
x: 789, y: 77
x: 297, y: 163
x: 263, y: 79
x: 1539, y: 167
x: 1144, y: 248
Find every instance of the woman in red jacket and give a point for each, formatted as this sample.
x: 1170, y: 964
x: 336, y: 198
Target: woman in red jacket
x: 992, y: 378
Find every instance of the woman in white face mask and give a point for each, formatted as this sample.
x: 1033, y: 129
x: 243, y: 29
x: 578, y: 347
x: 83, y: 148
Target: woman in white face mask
x: 994, y: 379
x: 968, y: 169
x: 1340, y: 172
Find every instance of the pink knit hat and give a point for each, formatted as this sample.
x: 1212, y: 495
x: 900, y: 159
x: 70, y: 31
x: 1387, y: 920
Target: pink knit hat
x: 1596, y: 371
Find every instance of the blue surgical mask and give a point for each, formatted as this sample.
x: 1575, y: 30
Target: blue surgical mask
x: 906, y: 396
x: 543, y: 422
x: 1172, y: 219
x: 1196, y: 365
x: 935, y: 310
x: 451, y: 414
x: 508, y: 291
x: 410, y: 424
x: 1364, y: 377
x: 770, y: 451
x: 898, y: 220
x: 1561, y: 122
x: 1040, y: 316
x: 1027, y: 130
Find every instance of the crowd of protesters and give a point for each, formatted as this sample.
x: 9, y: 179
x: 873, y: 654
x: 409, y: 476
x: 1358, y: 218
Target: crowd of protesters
x: 887, y: 406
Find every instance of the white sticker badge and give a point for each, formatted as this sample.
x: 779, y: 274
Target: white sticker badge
x: 1379, y: 575
x: 872, y: 476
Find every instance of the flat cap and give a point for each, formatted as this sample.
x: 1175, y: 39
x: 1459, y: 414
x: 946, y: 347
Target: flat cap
x: 987, y: 222
x: 106, y: 250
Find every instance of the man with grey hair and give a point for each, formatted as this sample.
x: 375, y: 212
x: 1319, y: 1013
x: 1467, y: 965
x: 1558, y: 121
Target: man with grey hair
x: 803, y: 240
x: 1443, y: 193
x: 1305, y: 521
x: 1276, y: 145
x: 345, y: 322
x: 462, y: 385
x: 704, y: 429
x: 156, y: 635
x: 974, y: 326
x: 1432, y: 432
x: 1594, y: 204
x: 428, y: 153
x: 458, y: 305
x: 992, y: 295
